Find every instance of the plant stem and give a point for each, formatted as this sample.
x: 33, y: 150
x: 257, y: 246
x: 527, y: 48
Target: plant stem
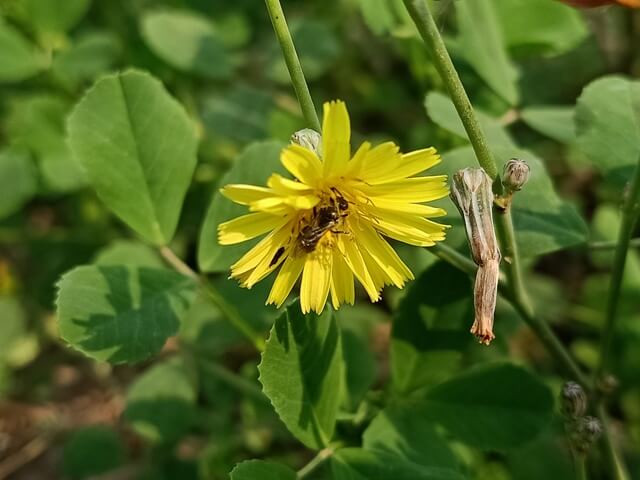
x: 233, y: 379
x: 630, y: 212
x: 618, y: 469
x: 229, y: 311
x: 428, y: 29
x: 293, y: 64
x: 580, y: 466
x: 516, y: 292
x: 322, y: 456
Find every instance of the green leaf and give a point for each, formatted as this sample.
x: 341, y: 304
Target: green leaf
x: 316, y: 57
x: 398, y: 431
x: 241, y: 114
x: 121, y: 313
x: 20, y: 59
x: 37, y: 124
x: 540, y: 26
x: 138, y: 147
x: 92, y: 451
x: 259, y: 469
x: 129, y: 252
x: 161, y: 403
x: 553, y: 121
x: 302, y: 374
x: 360, y: 365
x: 608, y: 126
x: 359, y: 464
x: 54, y: 15
x: 89, y: 56
x: 543, y: 222
x: 481, y: 42
x: 186, y: 41
x: 429, y: 329
x: 18, y: 181
x: 493, y: 406
x: 254, y: 166
x: 442, y: 111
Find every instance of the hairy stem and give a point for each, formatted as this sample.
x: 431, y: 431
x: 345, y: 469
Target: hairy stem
x: 293, y: 64
x: 630, y: 212
x: 428, y: 29
x: 229, y: 311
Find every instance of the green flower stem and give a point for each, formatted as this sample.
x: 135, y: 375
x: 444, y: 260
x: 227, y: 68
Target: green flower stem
x: 630, y: 213
x: 428, y: 29
x: 293, y: 64
x: 229, y: 311
x: 322, y: 456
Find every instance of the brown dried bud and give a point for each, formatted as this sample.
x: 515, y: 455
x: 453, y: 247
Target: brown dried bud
x: 574, y: 400
x: 515, y: 175
x: 471, y: 192
x: 309, y: 139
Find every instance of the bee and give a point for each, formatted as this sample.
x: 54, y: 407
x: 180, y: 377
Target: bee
x: 323, y: 220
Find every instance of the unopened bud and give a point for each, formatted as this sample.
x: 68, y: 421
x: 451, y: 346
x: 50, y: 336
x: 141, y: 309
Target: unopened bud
x: 471, y: 192
x: 586, y: 433
x: 309, y: 139
x: 515, y: 175
x: 574, y: 400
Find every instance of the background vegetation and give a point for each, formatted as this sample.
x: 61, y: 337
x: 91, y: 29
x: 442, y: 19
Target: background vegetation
x: 396, y: 390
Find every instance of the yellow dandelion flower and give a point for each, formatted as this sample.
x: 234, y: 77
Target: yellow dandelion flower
x: 329, y: 224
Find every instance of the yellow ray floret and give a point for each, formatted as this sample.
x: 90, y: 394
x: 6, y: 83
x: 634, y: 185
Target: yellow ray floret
x: 326, y: 226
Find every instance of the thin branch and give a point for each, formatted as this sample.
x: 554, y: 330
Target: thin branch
x: 230, y: 312
x: 630, y: 212
x: 322, y: 456
x: 612, y: 245
x: 233, y: 379
x: 293, y: 64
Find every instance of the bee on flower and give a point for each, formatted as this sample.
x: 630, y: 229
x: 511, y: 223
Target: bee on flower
x: 329, y: 223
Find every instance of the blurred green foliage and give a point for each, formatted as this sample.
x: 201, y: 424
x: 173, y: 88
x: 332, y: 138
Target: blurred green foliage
x: 164, y: 101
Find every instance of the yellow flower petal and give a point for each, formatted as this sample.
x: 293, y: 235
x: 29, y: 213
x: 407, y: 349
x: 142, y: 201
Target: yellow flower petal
x: 407, y: 165
x: 336, y: 135
x: 391, y: 206
x: 342, y: 288
x: 384, y: 256
x: 353, y: 257
x: 376, y: 162
x: 284, y: 186
x: 286, y: 279
x: 412, y: 190
x: 245, y: 194
x: 410, y: 229
x: 302, y: 163
x: 247, y: 227
x: 316, y: 279
x: 269, y: 261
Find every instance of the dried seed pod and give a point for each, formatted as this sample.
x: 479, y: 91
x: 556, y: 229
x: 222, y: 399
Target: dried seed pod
x: 309, y: 139
x: 574, y: 400
x: 515, y: 175
x: 472, y: 194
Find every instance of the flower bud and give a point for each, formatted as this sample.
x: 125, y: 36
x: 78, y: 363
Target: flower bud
x: 471, y: 192
x: 586, y: 433
x: 309, y: 139
x: 573, y: 400
x: 515, y: 175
